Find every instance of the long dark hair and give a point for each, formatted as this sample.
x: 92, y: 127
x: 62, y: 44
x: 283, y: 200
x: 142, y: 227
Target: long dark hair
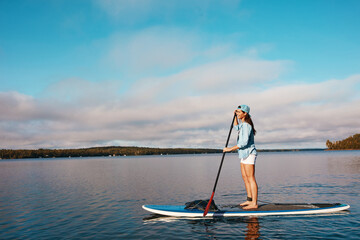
x: 249, y: 121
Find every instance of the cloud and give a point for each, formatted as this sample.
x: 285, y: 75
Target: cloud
x: 82, y: 91
x: 151, y: 50
x: 308, y: 113
x: 183, y: 95
x: 234, y: 74
x: 160, y: 112
x: 16, y: 106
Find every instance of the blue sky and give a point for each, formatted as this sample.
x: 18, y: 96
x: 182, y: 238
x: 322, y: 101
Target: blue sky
x: 169, y: 73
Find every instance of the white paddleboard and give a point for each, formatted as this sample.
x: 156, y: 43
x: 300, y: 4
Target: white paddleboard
x: 263, y: 210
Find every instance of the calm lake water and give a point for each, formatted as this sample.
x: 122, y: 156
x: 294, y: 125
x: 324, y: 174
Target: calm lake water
x: 101, y: 198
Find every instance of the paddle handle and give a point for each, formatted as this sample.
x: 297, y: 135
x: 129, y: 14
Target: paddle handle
x: 221, y: 163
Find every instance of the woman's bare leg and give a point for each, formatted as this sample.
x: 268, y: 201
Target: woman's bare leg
x: 250, y: 174
x: 247, y: 184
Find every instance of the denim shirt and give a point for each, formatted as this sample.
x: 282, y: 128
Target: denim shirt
x: 245, y: 140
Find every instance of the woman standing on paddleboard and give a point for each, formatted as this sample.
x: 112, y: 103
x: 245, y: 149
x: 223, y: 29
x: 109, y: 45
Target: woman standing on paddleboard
x: 247, y: 154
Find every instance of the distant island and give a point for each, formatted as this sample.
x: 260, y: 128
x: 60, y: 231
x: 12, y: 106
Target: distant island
x: 113, y: 151
x: 350, y: 143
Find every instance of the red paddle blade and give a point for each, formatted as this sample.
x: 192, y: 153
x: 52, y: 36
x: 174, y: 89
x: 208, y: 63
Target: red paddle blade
x: 208, y: 205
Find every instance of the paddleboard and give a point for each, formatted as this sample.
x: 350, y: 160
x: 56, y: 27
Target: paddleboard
x: 262, y: 210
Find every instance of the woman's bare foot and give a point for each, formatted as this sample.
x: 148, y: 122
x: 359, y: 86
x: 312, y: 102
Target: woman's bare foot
x: 245, y: 204
x: 250, y: 206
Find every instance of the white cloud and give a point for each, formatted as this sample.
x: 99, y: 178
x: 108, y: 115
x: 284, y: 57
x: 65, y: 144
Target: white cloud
x: 233, y: 74
x: 302, y: 115
x: 151, y: 50
x: 16, y: 106
x: 82, y: 91
x: 309, y: 113
x: 230, y: 75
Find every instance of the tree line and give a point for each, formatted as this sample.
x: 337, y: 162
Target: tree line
x: 350, y: 143
x: 99, y: 151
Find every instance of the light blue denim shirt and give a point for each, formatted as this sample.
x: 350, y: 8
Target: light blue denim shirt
x: 245, y: 140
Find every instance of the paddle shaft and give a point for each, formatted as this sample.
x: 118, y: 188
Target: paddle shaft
x: 221, y: 163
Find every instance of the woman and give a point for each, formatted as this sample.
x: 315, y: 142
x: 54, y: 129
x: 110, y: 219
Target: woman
x: 247, y: 154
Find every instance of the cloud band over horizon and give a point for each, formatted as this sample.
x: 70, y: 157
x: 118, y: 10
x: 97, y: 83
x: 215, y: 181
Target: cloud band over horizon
x: 287, y: 116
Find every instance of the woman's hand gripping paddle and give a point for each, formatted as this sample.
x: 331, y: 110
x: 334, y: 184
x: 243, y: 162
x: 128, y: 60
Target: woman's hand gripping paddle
x: 218, y: 174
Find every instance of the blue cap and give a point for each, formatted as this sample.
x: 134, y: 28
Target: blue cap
x: 244, y: 108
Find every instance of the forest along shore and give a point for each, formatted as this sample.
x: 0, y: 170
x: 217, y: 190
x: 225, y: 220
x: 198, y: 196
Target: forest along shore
x: 116, y: 151
x: 99, y: 151
x: 350, y: 143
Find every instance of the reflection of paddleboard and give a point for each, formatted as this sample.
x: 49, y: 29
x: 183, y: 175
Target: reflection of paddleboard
x: 263, y: 210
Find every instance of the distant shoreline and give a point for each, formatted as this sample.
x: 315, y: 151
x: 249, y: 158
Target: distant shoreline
x: 113, y: 151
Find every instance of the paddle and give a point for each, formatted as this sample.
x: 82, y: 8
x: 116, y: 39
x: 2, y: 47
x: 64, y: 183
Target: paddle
x: 218, y: 174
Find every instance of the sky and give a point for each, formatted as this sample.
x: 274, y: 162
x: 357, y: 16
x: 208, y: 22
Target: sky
x: 156, y: 73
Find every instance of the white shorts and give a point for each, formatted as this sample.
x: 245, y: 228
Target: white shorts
x: 249, y: 160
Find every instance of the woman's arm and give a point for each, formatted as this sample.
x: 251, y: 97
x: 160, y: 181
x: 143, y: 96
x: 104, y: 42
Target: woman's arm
x: 230, y: 149
x: 236, y: 123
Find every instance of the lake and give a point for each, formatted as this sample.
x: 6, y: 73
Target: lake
x: 101, y: 197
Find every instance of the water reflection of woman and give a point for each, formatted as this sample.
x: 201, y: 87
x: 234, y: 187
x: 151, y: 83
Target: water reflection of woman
x: 253, y: 229
x: 247, y: 154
